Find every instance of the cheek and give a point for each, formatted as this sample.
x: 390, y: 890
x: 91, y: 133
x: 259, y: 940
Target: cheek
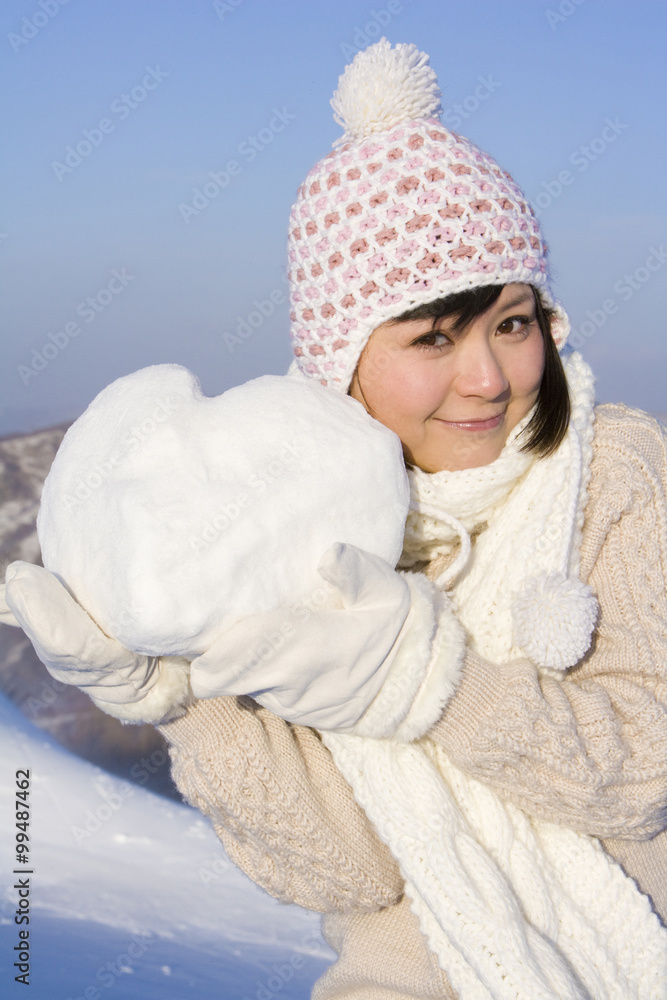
x: 403, y: 392
x: 529, y: 369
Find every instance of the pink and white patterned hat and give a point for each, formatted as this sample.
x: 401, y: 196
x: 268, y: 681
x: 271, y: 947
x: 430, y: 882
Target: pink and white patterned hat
x: 402, y: 212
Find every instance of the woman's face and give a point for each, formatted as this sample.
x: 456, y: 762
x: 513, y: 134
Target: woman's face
x: 453, y: 397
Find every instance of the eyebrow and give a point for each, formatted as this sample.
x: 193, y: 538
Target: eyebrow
x: 524, y: 298
x: 513, y: 303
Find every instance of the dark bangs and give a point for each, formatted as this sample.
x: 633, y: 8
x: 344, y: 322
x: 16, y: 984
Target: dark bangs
x: 551, y: 418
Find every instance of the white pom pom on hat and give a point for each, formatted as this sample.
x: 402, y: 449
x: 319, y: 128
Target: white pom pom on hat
x: 383, y: 87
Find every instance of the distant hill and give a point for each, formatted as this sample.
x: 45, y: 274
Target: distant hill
x: 67, y: 714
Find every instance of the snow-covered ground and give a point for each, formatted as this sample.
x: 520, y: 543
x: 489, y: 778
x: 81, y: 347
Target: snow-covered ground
x: 132, y: 896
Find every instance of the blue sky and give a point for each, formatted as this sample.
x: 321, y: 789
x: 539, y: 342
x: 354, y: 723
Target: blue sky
x: 105, y: 267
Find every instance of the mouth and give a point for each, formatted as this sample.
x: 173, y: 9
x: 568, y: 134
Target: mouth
x: 487, y: 424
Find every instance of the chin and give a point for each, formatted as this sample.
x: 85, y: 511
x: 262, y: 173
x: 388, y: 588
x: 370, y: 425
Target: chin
x: 467, y: 452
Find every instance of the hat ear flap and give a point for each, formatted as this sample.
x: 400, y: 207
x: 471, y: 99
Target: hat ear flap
x: 560, y: 321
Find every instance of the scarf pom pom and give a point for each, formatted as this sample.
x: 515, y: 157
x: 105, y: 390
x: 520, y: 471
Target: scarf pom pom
x: 554, y: 617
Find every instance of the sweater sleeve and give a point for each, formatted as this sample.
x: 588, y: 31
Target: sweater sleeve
x: 283, y: 812
x: 589, y: 751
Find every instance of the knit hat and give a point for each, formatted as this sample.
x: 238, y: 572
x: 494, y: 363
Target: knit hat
x: 401, y: 212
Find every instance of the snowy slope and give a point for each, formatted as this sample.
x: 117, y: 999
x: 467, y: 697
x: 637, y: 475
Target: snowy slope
x: 133, y: 896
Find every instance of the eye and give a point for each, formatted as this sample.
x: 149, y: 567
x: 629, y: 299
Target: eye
x: 516, y: 325
x: 434, y: 341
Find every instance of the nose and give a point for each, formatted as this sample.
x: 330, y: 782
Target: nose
x: 479, y: 369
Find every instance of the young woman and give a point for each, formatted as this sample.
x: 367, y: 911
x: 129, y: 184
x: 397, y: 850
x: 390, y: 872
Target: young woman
x: 463, y: 766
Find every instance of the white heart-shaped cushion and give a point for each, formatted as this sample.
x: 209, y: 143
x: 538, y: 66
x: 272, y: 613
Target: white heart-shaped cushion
x: 169, y: 515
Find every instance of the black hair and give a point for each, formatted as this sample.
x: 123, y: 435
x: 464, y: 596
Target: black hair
x: 549, y: 423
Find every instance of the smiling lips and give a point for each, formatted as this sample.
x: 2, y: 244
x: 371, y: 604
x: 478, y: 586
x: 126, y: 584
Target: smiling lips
x: 489, y: 424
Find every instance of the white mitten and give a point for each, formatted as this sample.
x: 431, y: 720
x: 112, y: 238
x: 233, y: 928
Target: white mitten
x: 74, y: 650
x: 380, y: 657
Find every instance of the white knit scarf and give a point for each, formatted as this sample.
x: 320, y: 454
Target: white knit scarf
x: 513, y: 907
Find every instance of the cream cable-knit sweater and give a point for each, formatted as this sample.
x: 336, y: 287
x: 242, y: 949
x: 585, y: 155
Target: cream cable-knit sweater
x: 589, y: 751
